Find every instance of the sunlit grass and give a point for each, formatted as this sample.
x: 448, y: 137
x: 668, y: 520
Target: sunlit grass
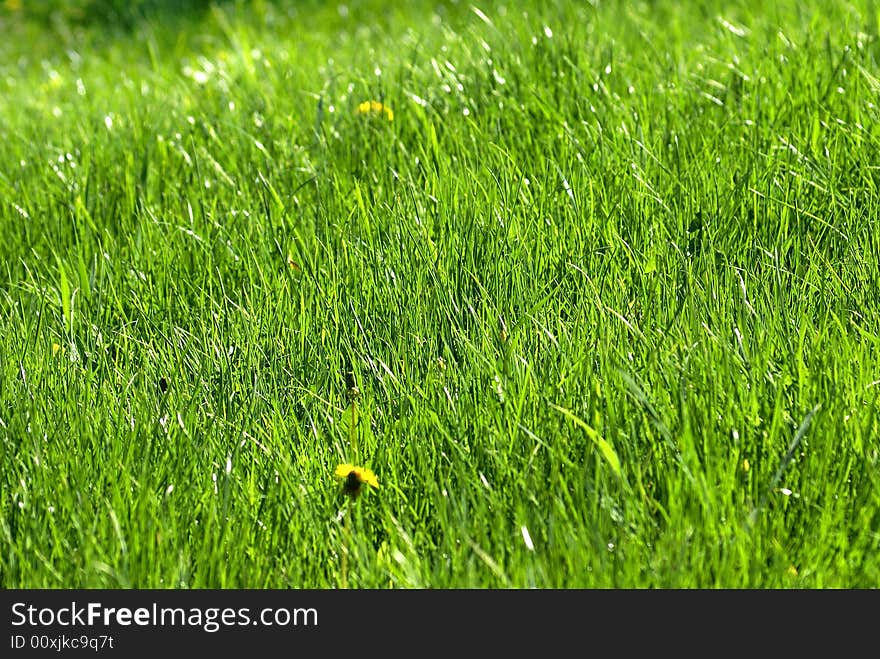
x: 601, y: 277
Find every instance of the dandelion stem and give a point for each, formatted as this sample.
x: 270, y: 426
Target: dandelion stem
x: 352, y: 430
x: 346, y: 545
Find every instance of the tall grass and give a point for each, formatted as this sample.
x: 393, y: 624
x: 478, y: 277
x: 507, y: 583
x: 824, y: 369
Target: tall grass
x: 607, y: 286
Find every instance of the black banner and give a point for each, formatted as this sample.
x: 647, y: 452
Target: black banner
x: 127, y: 623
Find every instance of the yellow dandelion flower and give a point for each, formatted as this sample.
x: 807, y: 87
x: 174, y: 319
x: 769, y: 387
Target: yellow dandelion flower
x: 375, y: 108
x: 354, y: 477
x: 56, y: 349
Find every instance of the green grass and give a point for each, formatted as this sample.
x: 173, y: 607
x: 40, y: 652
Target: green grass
x: 607, y: 285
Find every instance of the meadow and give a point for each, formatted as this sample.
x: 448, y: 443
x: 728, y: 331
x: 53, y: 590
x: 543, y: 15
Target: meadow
x: 590, y: 287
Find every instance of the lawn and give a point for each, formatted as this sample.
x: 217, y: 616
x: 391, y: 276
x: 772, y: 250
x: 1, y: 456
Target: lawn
x: 592, y: 288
